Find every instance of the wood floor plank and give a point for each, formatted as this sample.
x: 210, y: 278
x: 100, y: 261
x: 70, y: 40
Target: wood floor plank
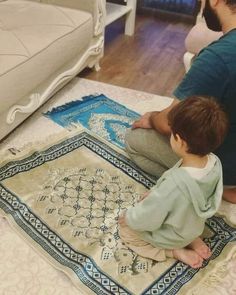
x: 151, y: 60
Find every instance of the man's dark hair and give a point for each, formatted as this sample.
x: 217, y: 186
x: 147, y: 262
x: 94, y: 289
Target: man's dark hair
x: 231, y: 4
x: 201, y: 122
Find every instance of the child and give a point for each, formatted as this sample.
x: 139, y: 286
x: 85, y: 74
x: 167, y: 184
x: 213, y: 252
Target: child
x: 169, y: 219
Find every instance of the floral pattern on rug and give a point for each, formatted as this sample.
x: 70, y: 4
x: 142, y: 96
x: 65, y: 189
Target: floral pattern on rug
x: 65, y: 201
x: 100, y: 114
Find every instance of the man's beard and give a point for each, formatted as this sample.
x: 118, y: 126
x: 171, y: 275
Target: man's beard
x: 212, y: 20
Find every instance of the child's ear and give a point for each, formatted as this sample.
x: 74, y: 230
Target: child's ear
x: 182, y: 143
x: 178, y: 138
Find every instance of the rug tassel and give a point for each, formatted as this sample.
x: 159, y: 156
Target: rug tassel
x: 73, y: 103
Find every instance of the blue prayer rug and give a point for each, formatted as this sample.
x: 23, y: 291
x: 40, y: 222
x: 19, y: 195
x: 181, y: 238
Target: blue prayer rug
x: 64, y: 198
x: 100, y: 114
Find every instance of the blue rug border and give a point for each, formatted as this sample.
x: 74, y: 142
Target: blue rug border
x: 101, y: 98
x: 105, y: 152
x: 84, y: 99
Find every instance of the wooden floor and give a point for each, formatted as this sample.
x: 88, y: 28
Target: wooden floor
x: 150, y: 61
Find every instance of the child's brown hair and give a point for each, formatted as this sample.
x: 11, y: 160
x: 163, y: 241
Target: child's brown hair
x: 201, y: 122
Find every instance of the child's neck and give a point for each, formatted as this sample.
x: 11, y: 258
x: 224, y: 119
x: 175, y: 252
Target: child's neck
x: 196, y: 161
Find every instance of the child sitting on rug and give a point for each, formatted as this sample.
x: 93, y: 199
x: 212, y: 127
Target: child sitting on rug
x: 169, y: 219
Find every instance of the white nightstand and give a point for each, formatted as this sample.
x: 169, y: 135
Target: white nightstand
x: 115, y: 11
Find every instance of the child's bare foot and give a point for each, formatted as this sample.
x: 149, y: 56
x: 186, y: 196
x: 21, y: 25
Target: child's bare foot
x: 189, y: 257
x: 201, y: 248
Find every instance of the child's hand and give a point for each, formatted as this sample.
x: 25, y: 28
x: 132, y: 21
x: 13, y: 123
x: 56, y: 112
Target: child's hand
x: 121, y: 219
x: 143, y: 196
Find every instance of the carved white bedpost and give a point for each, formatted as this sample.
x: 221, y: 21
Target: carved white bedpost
x: 101, y: 17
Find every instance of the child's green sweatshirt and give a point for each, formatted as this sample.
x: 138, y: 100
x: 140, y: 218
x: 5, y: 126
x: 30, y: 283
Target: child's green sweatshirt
x: 175, y: 211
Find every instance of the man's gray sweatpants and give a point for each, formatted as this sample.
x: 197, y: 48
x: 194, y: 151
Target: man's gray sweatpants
x: 150, y: 150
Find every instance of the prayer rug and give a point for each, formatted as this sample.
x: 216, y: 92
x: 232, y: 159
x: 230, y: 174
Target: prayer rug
x: 65, y: 199
x: 100, y: 114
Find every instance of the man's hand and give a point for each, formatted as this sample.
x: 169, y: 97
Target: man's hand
x: 156, y: 120
x: 143, y: 122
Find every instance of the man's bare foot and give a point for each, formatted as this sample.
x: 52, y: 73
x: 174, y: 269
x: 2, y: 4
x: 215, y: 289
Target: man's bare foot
x: 229, y: 194
x: 200, y: 247
x: 189, y: 257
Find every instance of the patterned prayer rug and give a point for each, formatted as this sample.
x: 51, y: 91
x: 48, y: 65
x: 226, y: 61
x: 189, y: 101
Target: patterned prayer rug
x: 65, y: 199
x: 100, y: 114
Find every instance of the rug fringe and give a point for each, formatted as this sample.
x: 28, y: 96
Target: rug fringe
x: 72, y: 104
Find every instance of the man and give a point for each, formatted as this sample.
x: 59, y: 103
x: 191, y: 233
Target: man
x: 213, y: 73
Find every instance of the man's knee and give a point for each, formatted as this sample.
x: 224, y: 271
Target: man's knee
x: 150, y: 145
x: 132, y: 141
x: 139, y: 139
x: 128, y: 137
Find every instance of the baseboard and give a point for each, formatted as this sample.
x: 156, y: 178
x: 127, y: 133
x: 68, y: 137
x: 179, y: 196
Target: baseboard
x: 167, y: 15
